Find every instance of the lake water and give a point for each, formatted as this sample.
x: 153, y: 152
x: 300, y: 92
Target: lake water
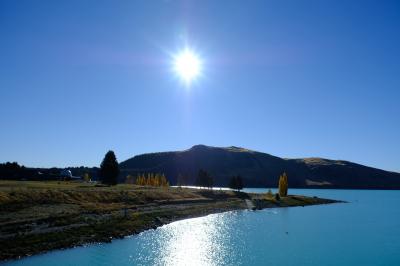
x: 365, y: 231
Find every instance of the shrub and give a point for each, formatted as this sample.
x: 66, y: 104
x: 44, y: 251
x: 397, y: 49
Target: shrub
x: 277, y: 197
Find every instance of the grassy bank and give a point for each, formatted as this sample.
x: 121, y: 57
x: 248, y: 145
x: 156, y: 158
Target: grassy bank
x: 41, y: 216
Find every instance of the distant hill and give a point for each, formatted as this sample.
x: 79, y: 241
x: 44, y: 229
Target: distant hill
x: 260, y: 169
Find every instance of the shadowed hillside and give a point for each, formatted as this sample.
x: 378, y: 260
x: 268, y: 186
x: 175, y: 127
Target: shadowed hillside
x: 260, y: 169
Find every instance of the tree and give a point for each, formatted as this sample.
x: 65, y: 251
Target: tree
x: 200, y: 178
x: 204, y: 179
x: 86, y: 177
x: 239, y: 183
x: 109, y: 169
x: 155, y: 180
x: 283, y: 185
x: 129, y: 179
x: 236, y: 183
x: 12, y: 171
x: 210, y: 181
x: 140, y: 180
x: 163, y: 182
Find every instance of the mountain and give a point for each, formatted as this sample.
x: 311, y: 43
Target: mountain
x: 260, y: 169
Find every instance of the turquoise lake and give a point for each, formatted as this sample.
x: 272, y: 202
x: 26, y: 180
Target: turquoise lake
x: 365, y: 231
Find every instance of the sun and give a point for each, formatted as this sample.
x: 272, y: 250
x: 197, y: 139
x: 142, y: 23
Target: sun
x: 187, y: 65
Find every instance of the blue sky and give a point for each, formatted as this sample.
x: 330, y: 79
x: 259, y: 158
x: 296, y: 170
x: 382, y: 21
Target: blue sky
x: 290, y: 78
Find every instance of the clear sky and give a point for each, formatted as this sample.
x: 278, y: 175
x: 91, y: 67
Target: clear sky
x: 290, y: 78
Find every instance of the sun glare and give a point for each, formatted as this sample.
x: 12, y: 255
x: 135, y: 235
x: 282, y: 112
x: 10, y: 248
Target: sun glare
x: 187, y: 65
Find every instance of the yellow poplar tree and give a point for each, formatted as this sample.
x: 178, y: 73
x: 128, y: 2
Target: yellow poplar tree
x: 152, y: 179
x: 140, y: 180
x: 86, y: 177
x: 283, y: 185
x: 164, y: 182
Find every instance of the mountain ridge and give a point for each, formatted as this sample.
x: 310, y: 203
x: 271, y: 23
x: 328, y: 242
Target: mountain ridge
x: 260, y: 169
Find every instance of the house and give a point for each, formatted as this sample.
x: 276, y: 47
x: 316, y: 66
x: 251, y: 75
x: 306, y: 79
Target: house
x: 66, y: 174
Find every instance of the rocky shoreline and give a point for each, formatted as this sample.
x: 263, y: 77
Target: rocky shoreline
x: 41, y: 218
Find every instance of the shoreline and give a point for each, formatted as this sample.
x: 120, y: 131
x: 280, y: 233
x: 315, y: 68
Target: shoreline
x: 37, y: 218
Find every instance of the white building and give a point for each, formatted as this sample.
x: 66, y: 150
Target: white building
x: 66, y: 173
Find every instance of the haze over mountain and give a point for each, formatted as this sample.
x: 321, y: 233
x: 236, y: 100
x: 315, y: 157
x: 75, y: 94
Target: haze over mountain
x: 260, y: 169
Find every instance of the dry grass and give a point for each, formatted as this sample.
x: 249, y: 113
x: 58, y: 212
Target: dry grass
x: 40, y: 216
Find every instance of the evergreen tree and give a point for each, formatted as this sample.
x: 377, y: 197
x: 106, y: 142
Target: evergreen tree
x: 204, y: 179
x: 199, y: 179
x: 239, y: 183
x: 210, y: 181
x: 232, y: 183
x: 236, y: 183
x: 109, y: 169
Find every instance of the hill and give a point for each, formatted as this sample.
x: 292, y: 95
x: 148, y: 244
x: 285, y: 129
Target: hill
x: 260, y: 169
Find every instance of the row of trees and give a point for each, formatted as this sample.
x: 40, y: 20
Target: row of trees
x: 109, y: 172
x: 204, y: 179
x: 156, y: 180
x: 12, y: 170
x: 236, y: 183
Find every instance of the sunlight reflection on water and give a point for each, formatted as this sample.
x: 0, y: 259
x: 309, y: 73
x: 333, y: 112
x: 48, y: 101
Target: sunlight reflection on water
x: 315, y: 235
x: 192, y: 242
